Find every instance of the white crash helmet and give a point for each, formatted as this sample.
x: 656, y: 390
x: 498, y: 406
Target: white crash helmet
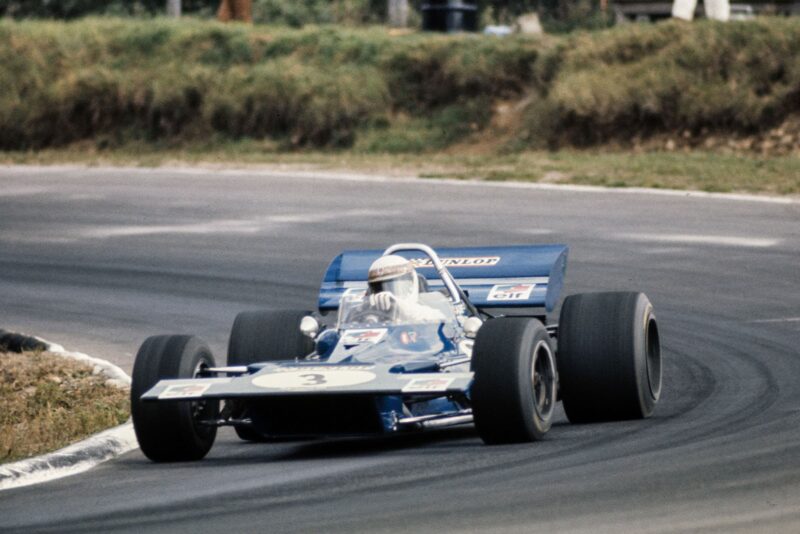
x: 394, y: 274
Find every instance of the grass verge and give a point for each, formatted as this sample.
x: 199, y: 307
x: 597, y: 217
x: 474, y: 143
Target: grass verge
x: 117, y: 81
x: 694, y: 170
x: 688, y: 106
x: 50, y: 402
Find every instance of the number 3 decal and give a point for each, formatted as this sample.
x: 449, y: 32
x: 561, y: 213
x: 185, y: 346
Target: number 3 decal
x: 313, y: 380
x: 308, y: 379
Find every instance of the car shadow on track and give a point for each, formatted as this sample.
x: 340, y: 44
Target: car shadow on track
x: 231, y: 451
x: 248, y: 452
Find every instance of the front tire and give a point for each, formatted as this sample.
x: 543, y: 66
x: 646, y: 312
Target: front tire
x: 514, y: 392
x: 609, y: 357
x: 265, y: 336
x: 171, y: 431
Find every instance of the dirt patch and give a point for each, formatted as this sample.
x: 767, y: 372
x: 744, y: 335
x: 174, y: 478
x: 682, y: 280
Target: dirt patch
x: 782, y: 140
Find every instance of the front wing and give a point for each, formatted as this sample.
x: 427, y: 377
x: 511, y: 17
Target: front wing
x: 317, y: 378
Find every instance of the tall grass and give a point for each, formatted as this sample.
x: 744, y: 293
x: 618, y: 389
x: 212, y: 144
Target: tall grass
x: 672, y: 77
x: 115, y: 80
x: 161, y: 79
x: 49, y: 402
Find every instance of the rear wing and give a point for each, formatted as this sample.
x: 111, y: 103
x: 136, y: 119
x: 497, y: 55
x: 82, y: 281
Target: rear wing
x: 527, y: 276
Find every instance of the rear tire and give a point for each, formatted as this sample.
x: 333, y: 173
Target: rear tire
x: 609, y: 357
x: 514, y: 392
x: 171, y: 431
x: 265, y: 336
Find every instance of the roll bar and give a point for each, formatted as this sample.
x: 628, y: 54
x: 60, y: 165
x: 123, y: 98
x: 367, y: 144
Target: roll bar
x: 455, y: 292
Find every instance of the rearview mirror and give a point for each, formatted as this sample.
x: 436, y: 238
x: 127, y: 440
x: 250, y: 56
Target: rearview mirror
x: 309, y: 326
x: 471, y: 326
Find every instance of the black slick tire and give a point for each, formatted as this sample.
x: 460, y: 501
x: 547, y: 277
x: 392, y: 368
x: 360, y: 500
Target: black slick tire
x: 514, y: 391
x: 263, y: 336
x: 169, y: 431
x: 609, y: 357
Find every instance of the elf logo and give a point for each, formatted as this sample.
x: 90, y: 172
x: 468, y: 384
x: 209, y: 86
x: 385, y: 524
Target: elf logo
x: 511, y: 292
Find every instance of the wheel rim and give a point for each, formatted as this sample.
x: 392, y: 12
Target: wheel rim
x: 543, y: 381
x: 653, y: 358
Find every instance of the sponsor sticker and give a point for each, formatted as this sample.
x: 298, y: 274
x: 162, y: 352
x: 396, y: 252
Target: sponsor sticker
x: 423, y: 385
x: 362, y: 336
x: 476, y: 261
x: 511, y: 292
x: 185, y: 391
x: 312, y: 378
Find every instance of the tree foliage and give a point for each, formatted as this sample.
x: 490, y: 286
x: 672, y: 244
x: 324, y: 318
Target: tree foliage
x: 70, y: 9
x: 293, y: 12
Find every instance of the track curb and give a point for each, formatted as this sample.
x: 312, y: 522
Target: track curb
x: 77, y: 457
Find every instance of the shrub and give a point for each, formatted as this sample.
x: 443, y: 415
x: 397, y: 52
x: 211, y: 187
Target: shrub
x: 161, y: 79
x: 169, y: 81
x: 434, y: 71
x: 640, y: 80
x: 308, y: 106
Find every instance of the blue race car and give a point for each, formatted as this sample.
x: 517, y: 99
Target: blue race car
x: 484, y: 355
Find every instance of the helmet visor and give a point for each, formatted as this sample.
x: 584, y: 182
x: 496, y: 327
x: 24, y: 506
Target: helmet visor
x: 401, y: 287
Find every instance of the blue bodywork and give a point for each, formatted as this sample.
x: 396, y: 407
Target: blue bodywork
x: 415, y: 372
x: 404, y: 350
x: 476, y: 269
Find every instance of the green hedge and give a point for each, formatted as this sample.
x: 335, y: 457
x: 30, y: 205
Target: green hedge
x: 672, y: 77
x: 114, y: 80
x: 163, y: 79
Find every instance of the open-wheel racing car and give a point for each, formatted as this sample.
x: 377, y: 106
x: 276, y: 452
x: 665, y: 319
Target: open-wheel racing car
x: 484, y: 355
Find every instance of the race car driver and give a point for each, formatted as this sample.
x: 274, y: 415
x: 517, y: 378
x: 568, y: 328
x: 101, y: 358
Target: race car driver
x: 393, y: 281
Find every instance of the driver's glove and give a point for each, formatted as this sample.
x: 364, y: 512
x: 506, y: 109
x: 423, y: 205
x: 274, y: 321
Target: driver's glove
x: 381, y: 301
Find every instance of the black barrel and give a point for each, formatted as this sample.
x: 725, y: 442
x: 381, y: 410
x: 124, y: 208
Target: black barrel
x: 449, y: 16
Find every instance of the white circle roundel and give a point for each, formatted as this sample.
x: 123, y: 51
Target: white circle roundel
x: 313, y: 379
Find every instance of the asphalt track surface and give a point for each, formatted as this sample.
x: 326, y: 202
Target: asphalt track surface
x: 99, y: 259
